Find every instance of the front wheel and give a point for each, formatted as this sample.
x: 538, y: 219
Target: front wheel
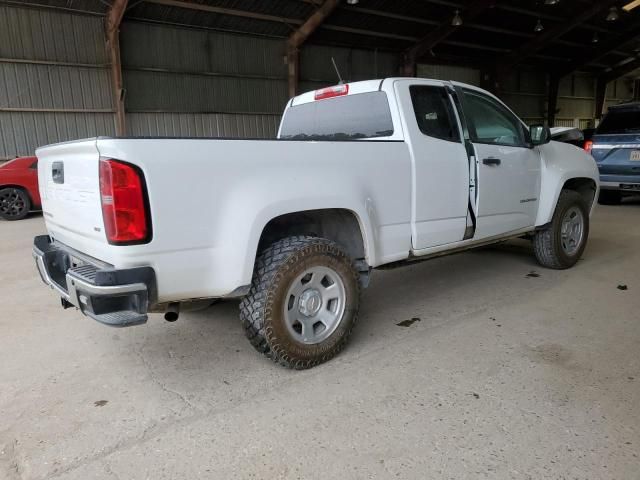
x: 303, y: 302
x: 560, y: 245
x: 14, y: 204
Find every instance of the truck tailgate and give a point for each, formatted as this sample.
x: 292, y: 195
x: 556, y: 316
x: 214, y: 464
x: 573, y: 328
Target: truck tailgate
x: 69, y: 184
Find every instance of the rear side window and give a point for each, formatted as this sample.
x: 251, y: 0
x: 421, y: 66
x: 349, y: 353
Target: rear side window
x: 434, y: 113
x: 620, y: 121
x: 352, y: 117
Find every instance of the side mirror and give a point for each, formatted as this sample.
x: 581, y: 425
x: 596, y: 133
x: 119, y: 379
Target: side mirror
x: 539, y: 134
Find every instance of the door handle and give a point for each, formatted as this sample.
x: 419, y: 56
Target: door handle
x: 492, y: 161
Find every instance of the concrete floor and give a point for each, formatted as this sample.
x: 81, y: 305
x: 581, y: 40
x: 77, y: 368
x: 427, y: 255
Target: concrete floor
x: 507, y: 375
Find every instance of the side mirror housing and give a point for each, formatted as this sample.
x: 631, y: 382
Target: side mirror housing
x: 539, y: 134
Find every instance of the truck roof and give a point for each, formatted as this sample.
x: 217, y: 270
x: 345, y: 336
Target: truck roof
x: 353, y: 88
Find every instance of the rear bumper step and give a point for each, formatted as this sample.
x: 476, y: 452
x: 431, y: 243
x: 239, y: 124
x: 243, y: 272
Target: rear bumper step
x: 118, y: 298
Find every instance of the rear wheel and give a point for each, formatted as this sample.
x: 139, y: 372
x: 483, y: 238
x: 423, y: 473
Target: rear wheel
x: 303, y: 302
x: 14, y: 203
x: 561, y: 244
x: 610, y: 197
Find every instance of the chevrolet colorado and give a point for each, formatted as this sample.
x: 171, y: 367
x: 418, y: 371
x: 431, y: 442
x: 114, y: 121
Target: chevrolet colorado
x: 362, y: 175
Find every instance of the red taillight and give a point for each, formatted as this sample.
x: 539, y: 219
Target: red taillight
x: 331, y: 92
x: 588, y: 145
x: 123, y: 203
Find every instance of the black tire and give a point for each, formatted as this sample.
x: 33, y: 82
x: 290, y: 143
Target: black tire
x: 15, y: 204
x: 610, y: 197
x: 262, y: 311
x: 547, y: 243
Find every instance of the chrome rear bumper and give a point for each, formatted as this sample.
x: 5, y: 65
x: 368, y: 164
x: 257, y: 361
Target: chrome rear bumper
x: 114, y: 297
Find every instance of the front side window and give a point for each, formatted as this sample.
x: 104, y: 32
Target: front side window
x: 351, y: 117
x: 490, y: 122
x: 434, y: 113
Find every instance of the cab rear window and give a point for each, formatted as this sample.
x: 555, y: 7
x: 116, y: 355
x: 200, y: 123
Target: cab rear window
x: 620, y: 121
x: 351, y: 117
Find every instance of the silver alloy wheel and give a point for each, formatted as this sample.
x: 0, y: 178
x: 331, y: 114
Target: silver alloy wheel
x: 315, y: 304
x: 572, y: 230
x: 11, y: 202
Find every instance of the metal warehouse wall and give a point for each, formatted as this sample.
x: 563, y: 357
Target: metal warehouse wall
x: 187, y: 82
x: 190, y: 82
x: 526, y: 93
x: 54, y: 79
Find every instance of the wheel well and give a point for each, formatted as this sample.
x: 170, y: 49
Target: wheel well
x: 339, y: 225
x: 586, y: 187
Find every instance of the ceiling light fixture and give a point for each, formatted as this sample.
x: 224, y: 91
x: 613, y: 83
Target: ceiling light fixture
x: 554, y: 2
x: 595, y: 38
x: 613, y: 14
x: 457, y: 19
x: 539, y: 27
x: 631, y: 5
x: 352, y: 2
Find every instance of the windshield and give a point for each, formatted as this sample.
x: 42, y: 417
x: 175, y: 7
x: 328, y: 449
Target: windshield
x: 620, y: 121
x: 351, y: 117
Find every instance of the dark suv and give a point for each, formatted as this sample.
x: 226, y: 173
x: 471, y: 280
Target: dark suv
x: 616, y: 149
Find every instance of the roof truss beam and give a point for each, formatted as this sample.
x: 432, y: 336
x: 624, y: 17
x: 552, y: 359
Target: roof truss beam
x: 606, y: 48
x: 622, y: 70
x: 226, y: 11
x: 545, y: 39
x: 444, y: 30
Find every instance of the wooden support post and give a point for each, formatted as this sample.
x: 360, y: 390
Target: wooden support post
x: 409, y: 67
x: 298, y: 37
x: 552, y: 99
x: 112, y: 30
x: 293, y: 65
x: 601, y: 95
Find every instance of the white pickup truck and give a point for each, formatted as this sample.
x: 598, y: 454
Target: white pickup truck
x: 362, y: 175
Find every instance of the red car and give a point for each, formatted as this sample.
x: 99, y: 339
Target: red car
x: 19, y: 188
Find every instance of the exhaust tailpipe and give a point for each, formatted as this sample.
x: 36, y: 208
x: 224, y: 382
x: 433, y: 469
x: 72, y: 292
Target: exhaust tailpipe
x: 172, y: 313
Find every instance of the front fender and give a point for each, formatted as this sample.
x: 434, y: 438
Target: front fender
x: 561, y: 162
